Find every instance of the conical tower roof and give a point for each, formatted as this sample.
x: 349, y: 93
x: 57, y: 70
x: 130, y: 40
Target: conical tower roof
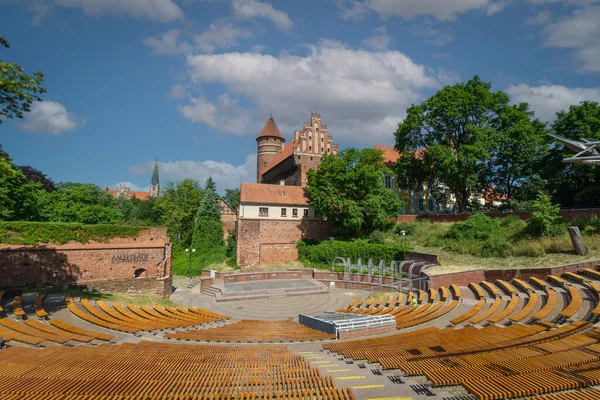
x: 270, y: 130
x: 155, y: 174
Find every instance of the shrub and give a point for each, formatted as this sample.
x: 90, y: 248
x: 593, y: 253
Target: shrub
x: 478, y: 226
x: 545, y: 219
x: 32, y: 233
x: 496, y: 246
x: 322, y: 254
x: 407, y: 227
x: 377, y: 237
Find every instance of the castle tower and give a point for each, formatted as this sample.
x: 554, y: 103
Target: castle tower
x: 270, y: 142
x: 155, y: 184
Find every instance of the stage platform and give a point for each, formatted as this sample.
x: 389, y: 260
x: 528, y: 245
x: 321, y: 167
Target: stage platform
x: 263, y: 289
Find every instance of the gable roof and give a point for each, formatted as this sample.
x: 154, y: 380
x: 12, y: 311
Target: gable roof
x: 282, y: 155
x: 391, y: 155
x: 131, y: 194
x: 272, y: 194
x: 270, y: 130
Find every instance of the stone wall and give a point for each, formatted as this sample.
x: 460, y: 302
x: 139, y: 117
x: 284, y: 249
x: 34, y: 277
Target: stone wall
x: 265, y: 242
x: 135, y: 264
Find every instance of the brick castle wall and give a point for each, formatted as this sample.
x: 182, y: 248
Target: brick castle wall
x: 265, y: 242
x: 140, y: 264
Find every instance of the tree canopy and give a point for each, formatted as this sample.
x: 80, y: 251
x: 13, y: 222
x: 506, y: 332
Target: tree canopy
x: 348, y: 190
x: 208, y: 234
x: 17, y: 89
x: 466, y: 139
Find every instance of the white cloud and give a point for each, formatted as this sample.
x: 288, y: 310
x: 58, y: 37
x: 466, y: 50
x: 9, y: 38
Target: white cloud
x: 541, y: 18
x: 547, y: 100
x: 155, y: 10
x: 408, y: 9
x: 362, y: 95
x: 168, y: 43
x: 48, y: 117
x: 226, y: 175
x: 225, y: 115
x: 579, y: 31
x: 177, y: 92
x: 220, y: 34
x: 251, y: 9
x: 380, y: 40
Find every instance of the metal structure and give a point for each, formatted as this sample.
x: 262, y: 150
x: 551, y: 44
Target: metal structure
x: 333, y: 322
x: 588, y: 150
x: 406, y: 274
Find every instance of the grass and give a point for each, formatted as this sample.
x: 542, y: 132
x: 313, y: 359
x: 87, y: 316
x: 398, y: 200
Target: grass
x: 141, y: 298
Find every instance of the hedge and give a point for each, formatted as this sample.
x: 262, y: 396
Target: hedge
x: 322, y: 254
x: 32, y: 233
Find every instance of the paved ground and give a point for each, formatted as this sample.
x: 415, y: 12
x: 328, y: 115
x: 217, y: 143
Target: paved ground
x: 268, y: 285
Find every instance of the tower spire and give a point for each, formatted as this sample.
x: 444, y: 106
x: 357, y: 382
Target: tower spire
x: 155, y: 184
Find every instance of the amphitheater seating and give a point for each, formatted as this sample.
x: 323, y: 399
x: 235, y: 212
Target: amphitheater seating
x: 556, y: 280
x: 573, y: 277
x: 591, y: 273
x: 487, y: 313
x: 17, y: 306
x: 596, y: 289
x: 551, y: 304
x: 575, y: 303
x: 469, y: 314
x: 507, y: 287
x: 509, y: 309
x: 443, y: 293
x: 490, y: 288
x: 260, y: 331
x: 1, y: 296
x: 523, y: 285
x: 38, y: 306
x: 134, y: 319
x: 526, y: 311
x: 162, y: 370
x: 455, y: 291
x: 539, y: 283
x: 477, y: 290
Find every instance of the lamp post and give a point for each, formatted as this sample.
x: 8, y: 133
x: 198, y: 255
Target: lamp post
x: 403, y: 237
x: 190, y: 251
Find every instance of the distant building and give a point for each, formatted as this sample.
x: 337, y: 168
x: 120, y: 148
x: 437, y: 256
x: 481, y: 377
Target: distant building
x: 288, y: 165
x: 228, y: 217
x: 271, y: 219
x: 126, y: 192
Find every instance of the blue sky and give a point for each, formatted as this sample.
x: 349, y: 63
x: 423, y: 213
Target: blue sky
x: 192, y: 82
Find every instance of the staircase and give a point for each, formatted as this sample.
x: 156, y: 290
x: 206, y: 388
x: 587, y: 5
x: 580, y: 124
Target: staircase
x: 211, y: 291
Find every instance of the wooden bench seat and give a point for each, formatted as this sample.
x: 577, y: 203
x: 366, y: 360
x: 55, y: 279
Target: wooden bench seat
x: 95, y: 320
x: 509, y: 309
x: 575, y: 303
x: 551, y: 304
x: 17, y: 307
x: 38, y: 305
x: 556, y: 281
x: 487, y: 313
x: 507, y: 287
x: 421, y: 296
x: 443, y: 293
x: 441, y: 310
x: 432, y: 295
x: 57, y: 332
x: 11, y: 335
x: 522, y: 284
x: 490, y: 288
x: 389, y: 301
x: 575, y: 277
x: 541, y: 284
x: 469, y: 314
x: 591, y: 273
x: 27, y: 330
x: 477, y: 290
x: 79, y: 331
x: 527, y: 309
x: 455, y: 291
x: 595, y: 286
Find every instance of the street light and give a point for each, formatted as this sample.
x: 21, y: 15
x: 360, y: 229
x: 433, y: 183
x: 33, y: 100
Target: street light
x: 190, y: 253
x: 403, y: 237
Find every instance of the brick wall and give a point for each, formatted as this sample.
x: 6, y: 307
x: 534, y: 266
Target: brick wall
x: 463, y: 278
x: 264, y: 242
x: 130, y: 262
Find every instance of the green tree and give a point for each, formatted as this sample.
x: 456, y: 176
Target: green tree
x: 349, y: 191
x: 454, y: 128
x: 35, y: 175
x: 80, y: 202
x: 544, y: 217
x: 232, y: 197
x: 178, y: 205
x: 573, y: 184
x: 208, y: 234
x: 17, y: 89
x: 519, y: 143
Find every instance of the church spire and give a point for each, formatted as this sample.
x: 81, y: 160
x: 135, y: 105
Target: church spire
x: 155, y: 184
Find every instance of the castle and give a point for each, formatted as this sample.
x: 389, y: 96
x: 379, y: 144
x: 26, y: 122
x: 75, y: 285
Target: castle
x: 277, y: 163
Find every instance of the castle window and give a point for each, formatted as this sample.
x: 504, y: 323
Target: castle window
x: 284, y: 212
x: 298, y: 157
x: 430, y: 205
x: 421, y: 204
x: 306, y: 212
x: 322, y: 150
x: 309, y: 148
x: 295, y: 212
x: 263, y: 211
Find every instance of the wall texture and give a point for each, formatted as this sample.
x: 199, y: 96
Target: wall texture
x: 265, y: 242
x: 139, y: 264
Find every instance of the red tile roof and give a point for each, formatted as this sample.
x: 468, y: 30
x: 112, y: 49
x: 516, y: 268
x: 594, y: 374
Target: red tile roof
x: 272, y: 194
x: 391, y: 155
x: 270, y: 130
x: 283, y: 155
x: 137, y: 195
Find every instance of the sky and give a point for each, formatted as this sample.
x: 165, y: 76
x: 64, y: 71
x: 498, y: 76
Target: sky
x: 191, y: 83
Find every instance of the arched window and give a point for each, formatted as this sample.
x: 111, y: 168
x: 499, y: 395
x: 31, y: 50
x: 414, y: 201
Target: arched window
x: 139, y: 273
